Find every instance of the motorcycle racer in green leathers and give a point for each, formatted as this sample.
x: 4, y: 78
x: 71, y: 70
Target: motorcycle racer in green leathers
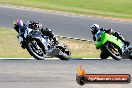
x: 95, y: 29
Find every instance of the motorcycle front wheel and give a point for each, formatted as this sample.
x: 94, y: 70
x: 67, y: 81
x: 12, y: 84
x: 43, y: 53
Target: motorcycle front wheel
x: 113, y: 51
x: 36, y: 49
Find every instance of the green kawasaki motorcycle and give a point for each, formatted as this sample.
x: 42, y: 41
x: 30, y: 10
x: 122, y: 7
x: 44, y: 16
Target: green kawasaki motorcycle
x: 112, y: 46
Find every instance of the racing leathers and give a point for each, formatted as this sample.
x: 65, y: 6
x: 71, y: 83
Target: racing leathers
x: 22, y: 33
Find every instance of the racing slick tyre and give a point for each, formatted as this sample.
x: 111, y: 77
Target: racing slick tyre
x: 36, y: 49
x: 130, y: 57
x: 65, y: 53
x: 113, y: 51
x: 104, y: 55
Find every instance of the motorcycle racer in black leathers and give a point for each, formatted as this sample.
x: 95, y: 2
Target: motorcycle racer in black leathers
x: 20, y: 27
x: 46, y: 31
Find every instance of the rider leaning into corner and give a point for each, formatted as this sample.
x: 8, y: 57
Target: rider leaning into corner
x: 20, y: 27
x: 95, y: 28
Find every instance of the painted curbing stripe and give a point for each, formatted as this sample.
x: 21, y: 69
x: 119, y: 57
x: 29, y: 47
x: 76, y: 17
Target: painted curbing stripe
x: 74, y: 38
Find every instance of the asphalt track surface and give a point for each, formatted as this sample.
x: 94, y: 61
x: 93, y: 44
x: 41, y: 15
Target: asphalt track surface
x: 16, y: 73
x: 20, y: 73
x: 64, y: 24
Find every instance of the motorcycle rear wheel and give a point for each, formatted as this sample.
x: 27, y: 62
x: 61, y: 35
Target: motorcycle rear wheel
x: 66, y: 53
x: 130, y: 57
x: 104, y: 55
x: 66, y: 56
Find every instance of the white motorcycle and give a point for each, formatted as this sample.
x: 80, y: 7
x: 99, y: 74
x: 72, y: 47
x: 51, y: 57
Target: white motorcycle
x: 40, y: 46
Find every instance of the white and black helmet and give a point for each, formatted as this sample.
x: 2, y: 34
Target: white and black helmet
x: 94, y: 28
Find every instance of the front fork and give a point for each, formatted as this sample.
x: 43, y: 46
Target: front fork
x: 45, y: 43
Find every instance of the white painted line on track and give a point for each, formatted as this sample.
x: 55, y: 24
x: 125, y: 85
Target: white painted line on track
x: 30, y: 58
x: 49, y: 58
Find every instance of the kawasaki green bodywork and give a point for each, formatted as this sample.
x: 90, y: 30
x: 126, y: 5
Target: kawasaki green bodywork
x: 102, y: 38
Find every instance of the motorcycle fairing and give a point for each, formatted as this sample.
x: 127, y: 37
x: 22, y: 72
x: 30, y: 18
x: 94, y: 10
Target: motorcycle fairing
x: 103, y: 37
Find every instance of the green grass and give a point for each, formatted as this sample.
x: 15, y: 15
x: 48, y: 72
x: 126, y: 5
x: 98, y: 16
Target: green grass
x: 10, y: 47
x: 112, y: 8
x: 81, y: 49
